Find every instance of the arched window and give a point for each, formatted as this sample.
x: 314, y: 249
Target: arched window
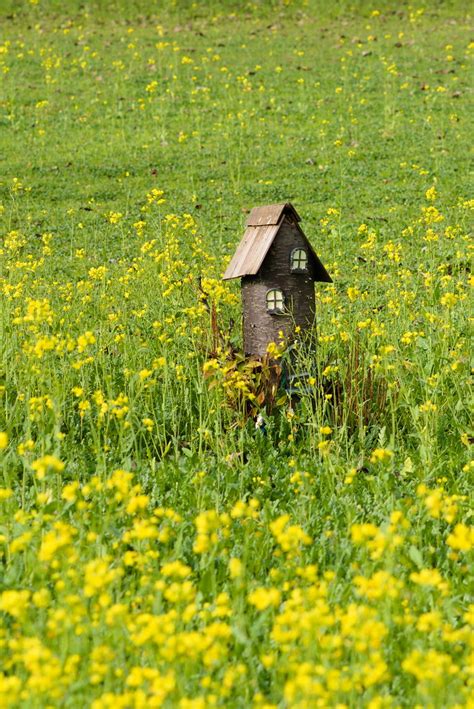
x: 275, y: 301
x: 299, y: 260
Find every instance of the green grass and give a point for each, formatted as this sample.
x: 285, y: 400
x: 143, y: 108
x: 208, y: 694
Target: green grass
x: 135, y: 138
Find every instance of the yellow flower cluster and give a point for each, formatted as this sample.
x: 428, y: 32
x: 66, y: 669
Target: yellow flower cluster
x: 168, y: 619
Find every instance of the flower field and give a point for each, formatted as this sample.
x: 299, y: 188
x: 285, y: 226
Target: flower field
x: 157, y: 547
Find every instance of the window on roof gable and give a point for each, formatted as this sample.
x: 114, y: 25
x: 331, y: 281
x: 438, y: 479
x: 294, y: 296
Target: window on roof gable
x: 299, y: 260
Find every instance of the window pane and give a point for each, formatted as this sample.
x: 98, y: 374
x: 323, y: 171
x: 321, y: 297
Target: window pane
x: 299, y: 259
x: 275, y: 299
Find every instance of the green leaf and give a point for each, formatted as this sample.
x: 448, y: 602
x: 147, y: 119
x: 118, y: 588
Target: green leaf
x: 416, y: 556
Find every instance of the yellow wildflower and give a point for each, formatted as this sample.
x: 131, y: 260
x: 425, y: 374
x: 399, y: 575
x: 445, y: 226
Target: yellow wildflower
x: 263, y: 598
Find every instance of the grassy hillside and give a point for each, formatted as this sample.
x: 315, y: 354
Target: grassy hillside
x: 156, y: 547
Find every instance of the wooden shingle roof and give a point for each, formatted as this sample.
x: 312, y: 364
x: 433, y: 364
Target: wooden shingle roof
x: 263, y: 224
x: 271, y: 214
x: 251, y: 251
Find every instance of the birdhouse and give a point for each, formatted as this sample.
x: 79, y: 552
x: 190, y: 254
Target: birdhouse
x: 278, y: 267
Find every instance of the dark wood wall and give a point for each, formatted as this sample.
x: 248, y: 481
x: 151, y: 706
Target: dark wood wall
x: 261, y: 327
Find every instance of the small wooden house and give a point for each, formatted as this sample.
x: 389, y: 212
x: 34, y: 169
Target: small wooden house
x: 278, y: 267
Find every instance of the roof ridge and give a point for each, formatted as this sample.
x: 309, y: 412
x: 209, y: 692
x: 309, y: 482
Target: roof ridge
x: 271, y: 214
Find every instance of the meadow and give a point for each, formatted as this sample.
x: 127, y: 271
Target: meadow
x: 156, y: 547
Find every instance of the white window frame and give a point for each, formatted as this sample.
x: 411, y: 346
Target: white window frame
x: 295, y: 255
x: 275, y: 301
